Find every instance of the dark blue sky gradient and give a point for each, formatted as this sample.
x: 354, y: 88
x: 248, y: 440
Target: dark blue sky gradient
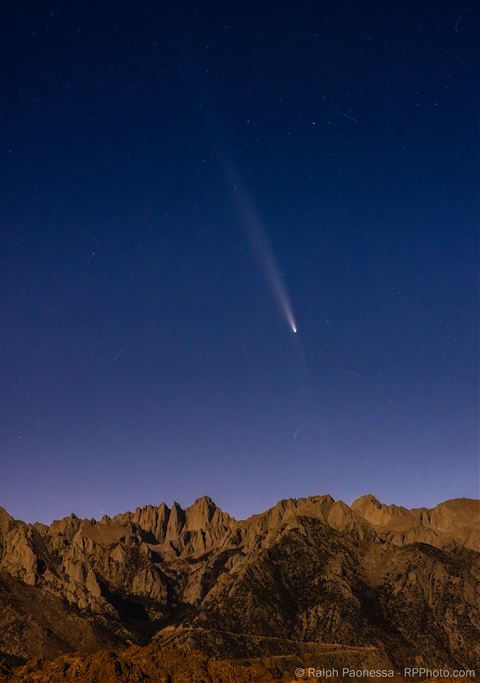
x: 144, y: 358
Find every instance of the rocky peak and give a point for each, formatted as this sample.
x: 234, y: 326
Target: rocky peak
x: 391, y: 517
x: 176, y: 522
x: 153, y: 520
x: 366, y: 501
x: 67, y: 527
x: 199, y: 515
x: 458, y: 519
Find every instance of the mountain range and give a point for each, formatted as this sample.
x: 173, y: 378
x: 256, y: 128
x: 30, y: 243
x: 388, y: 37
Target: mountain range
x: 173, y: 594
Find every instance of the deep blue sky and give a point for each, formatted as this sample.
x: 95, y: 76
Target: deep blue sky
x: 144, y: 356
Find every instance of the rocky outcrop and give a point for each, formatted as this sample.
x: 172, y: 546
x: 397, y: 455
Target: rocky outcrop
x: 36, y: 623
x: 307, y: 573
x: 454, y: 521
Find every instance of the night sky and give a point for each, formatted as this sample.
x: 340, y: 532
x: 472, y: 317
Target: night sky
x: 162, y: 163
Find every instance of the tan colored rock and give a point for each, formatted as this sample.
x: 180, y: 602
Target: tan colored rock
x: 18, y: 557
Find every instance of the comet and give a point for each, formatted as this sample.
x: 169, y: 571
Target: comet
x: 261, y: 246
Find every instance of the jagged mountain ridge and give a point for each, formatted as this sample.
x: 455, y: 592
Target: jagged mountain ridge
x: 310, y: 570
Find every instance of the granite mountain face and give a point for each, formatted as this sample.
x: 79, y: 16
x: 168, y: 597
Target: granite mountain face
x: 310, y: 580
